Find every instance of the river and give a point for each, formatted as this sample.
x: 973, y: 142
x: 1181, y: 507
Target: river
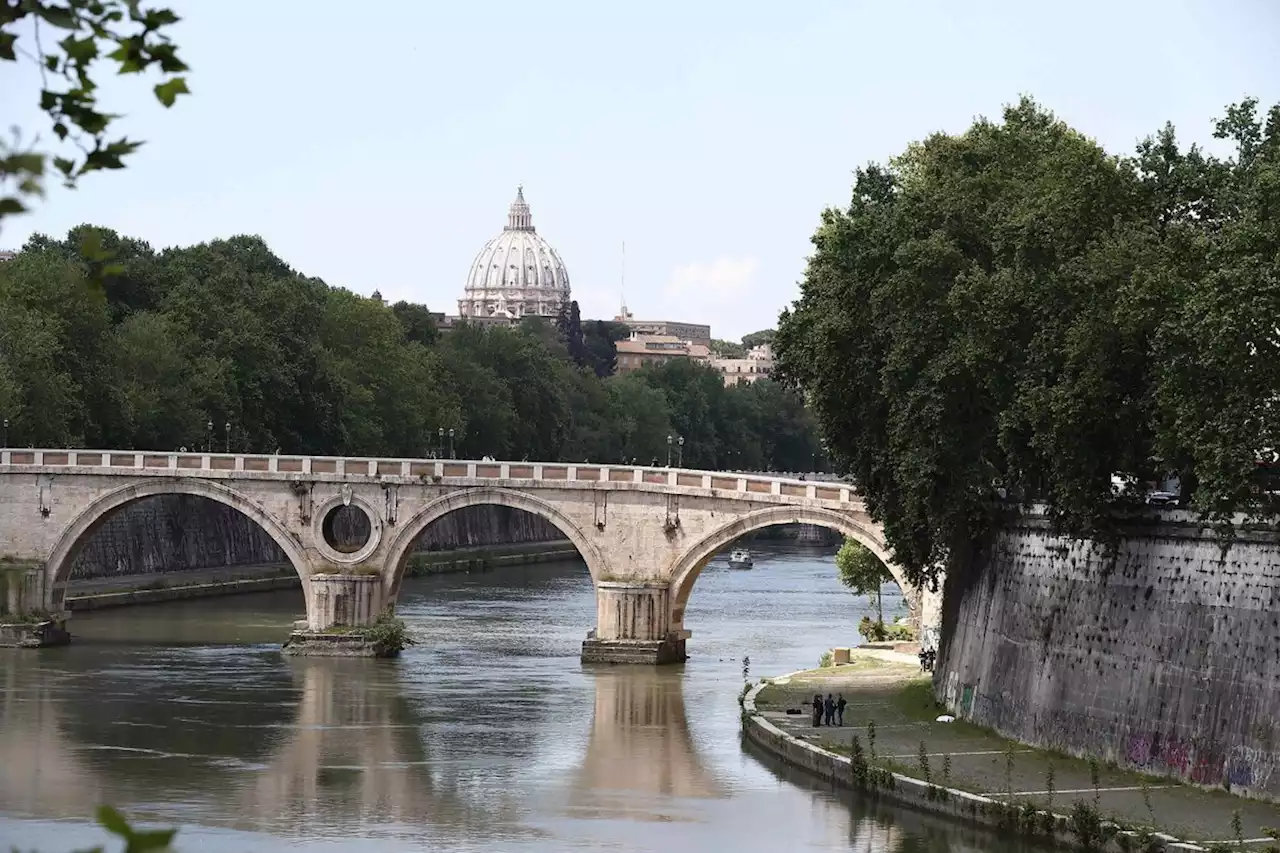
x: 488, y: 735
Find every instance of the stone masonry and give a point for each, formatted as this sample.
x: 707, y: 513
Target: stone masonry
x: 645, y: 534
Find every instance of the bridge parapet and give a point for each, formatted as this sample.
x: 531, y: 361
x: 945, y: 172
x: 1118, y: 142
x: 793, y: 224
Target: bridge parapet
x: 389, y: 469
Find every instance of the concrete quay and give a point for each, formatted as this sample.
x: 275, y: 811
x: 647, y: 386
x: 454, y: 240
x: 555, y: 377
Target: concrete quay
x: 988, y: 779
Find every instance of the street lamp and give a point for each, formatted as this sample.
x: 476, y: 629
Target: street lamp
x: 680, y: 452
x: 440, y: 443
x: 451, y: 454
x: 226, y: 429
x: 668, y: 451
x: 4, y: 436
x: 208, y: 444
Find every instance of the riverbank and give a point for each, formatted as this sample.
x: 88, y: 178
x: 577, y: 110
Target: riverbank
x: 128, y: 590
x: 893, y: 714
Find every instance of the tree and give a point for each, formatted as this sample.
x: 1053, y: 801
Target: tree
x: 600, y: 338
x: 418, y: 322
x: 569, y: 325
x: 1013, y: 313
x: 755, y: 339
x: 727, y: 349
x: 863, y: 572
x: 133, y: 37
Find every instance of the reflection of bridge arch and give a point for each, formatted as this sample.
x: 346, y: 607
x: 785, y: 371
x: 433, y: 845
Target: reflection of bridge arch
x: 40, y: 774
x: 639, y: 745
x: 353, y: 752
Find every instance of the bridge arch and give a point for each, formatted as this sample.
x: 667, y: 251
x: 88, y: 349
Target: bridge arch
x: 61, y: 558
x: 689, y: 565
x: 402, y: 545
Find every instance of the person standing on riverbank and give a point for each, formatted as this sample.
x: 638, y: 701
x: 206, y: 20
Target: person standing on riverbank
x: 817, y: 710
x: 840, y: 704
x: 830, y: 707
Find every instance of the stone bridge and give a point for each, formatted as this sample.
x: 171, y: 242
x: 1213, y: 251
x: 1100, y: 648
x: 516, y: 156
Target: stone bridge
x: 644, y: 533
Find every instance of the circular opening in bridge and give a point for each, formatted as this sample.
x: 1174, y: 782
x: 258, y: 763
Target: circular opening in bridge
x: 346, y: 529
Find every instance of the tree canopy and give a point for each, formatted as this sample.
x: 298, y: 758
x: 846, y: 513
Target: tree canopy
x: 1013, y: 312
x: 223, y: 345
x: 863, y: 572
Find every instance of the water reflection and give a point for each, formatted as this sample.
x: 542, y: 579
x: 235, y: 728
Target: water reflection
x: 639, y: 752
x: 488, y: 735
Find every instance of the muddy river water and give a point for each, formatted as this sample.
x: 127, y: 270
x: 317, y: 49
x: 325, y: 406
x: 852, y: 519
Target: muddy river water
x: 488, y: 735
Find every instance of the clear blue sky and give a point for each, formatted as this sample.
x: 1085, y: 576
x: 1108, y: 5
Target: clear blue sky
x: 378, y: 145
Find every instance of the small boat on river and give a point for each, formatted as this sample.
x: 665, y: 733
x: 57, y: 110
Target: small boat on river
x: 741, y: 559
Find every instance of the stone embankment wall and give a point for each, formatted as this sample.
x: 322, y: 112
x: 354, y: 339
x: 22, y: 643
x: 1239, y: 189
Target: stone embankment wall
x: 1162, y: 655
x: 173, y: 533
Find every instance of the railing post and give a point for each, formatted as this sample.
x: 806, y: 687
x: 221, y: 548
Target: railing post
x: 742, y: 484
x: 39, y: 457
x: 504, y: 470
x: 404, y: 468
x: 537, y: 472
x: 571, y: 472
x: 273, y: 463
x: 775, y: 488
x: 437, y: 468
x: 811, y: 491
x: 340, y: 466
x: 206, y: 464
x: 706, y: 481
x: 238, y: 464
x: 471, y: 470
x: 306, y: 465
x: 637, y: 475
x: 673, y: 477
x: 372, y: 468
x: 137, y: 460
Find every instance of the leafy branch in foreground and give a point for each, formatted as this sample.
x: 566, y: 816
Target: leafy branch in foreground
x: 63, y: 39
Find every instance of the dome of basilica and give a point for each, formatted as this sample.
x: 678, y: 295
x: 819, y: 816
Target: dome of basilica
x: 517, y: 273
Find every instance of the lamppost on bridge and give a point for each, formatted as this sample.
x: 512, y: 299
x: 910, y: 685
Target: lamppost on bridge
x: 226, y: 429
x: 451, y: 453
x: 440, y: 444
x: 680, y: 452
x: 669, y: 440
x: 4, y: 436
x: 208, y: 444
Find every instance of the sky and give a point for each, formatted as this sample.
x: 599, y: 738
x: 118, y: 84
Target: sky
x: 380, y: 150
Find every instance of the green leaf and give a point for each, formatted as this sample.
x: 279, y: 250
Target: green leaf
x: 57, y: 16
x: 154, y: 19
x: 7, y: 41
x: 10, y: 205
x: 80, y: 50
x: 64, y: 165
x: 113, y: 822
x: 60, y: 129
x: 168, y: 91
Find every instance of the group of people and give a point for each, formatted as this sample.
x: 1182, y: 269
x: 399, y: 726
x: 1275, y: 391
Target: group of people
x: 829, y: 710
x: 928, y: 657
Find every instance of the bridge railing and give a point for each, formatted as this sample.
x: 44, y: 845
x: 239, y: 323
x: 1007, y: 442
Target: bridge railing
x: 229, y: 464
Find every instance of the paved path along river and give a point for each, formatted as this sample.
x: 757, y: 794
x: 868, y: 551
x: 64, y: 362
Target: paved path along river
x: 489, y: 735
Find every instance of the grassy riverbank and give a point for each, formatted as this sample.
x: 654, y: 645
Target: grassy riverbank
x: 892, y: 712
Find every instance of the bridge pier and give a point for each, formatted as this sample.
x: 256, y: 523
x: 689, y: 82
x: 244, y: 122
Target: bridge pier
x: 633, y: 625
x: 338, y: 607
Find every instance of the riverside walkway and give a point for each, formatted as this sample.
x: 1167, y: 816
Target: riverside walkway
x: 886, y: 689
